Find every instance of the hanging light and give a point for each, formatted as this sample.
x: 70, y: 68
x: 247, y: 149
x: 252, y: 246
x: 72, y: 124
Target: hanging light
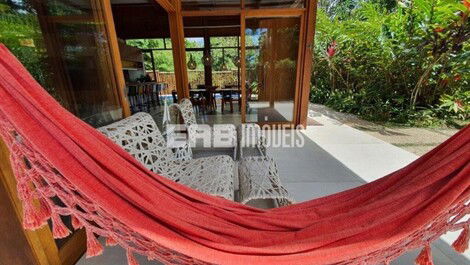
x: 237, y: 61
x: 224, y: 66
x: 192, y: 63
x: 207, y: 59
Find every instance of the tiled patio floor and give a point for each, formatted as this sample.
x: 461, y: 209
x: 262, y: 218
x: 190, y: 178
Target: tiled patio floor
x: 335, y: 157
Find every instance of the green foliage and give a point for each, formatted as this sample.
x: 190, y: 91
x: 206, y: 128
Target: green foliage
x: 164, y: 58
x: 19, y: 31
x: 456, y: 105
x: 402, y: 65
x: 229, y: 56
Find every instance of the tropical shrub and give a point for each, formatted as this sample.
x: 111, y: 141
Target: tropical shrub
x: 407, y: 64
x: 19, y: 30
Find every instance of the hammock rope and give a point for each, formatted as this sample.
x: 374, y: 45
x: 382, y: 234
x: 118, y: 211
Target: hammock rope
x: 64, y: 167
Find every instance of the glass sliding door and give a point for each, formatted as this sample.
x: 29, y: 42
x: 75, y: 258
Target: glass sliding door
x: 65, y: 45
x: 271, y: 55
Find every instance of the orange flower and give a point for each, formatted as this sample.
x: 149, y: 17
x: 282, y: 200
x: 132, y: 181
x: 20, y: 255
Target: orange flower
x: 466, y: 3
x: 439, y: 29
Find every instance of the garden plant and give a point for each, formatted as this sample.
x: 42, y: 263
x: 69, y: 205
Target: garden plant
x: 404, y: 62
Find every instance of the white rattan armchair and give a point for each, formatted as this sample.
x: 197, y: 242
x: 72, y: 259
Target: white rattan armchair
x: 140, y: 136
x: 259, y: 180
x: 227, y: 133
x: 258, y: 173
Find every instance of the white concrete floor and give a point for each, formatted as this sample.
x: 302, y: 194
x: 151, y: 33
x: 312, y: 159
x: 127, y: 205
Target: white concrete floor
x: 335, y: 157
x: 416, y: 140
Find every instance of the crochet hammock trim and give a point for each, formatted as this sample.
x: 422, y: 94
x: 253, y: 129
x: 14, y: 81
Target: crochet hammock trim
x: 47, y: 194
x: 40, y: 204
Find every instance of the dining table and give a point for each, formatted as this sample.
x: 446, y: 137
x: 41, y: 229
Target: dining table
x: 216, y: 90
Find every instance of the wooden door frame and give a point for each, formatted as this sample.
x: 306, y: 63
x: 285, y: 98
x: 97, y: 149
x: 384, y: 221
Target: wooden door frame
x: 307, y: 61
x: 175, y: 19
x: 243, y: 63
x: 115, y: 54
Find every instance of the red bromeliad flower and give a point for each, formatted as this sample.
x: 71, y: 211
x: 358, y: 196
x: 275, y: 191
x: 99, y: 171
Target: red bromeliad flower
x: 459, y: 103
x: 466, y: 3
x: 438, y: 29
x: 331, y: 50
x: 457, y: 78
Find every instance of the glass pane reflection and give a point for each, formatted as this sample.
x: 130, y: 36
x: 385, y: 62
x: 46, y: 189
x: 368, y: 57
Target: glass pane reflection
x: 255, y: 4
x: 63, y: 44
x: 271, y: 66
x: 210, y: 4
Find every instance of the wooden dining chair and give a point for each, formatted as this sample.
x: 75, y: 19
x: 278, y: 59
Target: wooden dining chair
x: 211, y: 104
x: 227, y: 98
x: 198, y: 99
x: 230, y: 97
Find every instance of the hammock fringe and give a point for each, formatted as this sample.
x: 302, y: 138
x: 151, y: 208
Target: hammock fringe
x: 94, y: 248
x: 45, y: 211
x: 110, y: 241
x: 76, y: 224
x: 59, y: 230
x: 131, y: 259
x: 461, y: 243
x: 32, y: 220
x: 425, y: 257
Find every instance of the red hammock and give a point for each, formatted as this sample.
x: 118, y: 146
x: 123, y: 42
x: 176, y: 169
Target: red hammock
x: 106, y: 191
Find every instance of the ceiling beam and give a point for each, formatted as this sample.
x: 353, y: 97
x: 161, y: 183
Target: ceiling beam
x: 167, y: 5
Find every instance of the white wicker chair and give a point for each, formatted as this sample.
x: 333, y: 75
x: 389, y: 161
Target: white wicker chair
x: 140, y: 136
x: 251, y: 140
x: 185, y: 109
x: 258, y: 173
x: 259, y: 179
